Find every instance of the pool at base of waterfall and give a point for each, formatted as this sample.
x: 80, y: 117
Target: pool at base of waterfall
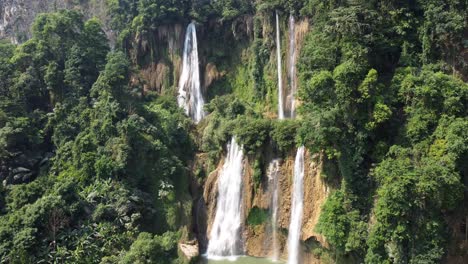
x: 243, y: 260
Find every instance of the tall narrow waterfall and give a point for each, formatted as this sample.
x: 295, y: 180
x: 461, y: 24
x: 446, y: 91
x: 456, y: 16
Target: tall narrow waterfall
x: 280, y: 78
x: 225, y: 240
x: 190, y: 97
x: 296, y: 211
x: 292, y: 66
x: 273, y: 178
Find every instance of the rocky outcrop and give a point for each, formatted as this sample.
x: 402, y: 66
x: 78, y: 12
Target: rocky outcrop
x: 211, y: 74
x: 315, y: 191
x: 159, y: 56
x: 210, y: 195
x: 17, y: 16
x: 23, y: 167
x: 458, y: 243
x: 189, y: 249
x: 155, y: 75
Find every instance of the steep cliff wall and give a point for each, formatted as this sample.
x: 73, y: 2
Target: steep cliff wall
x: 230, y: 71
x: 257, y: 238
x: 159, y: 53
x: 159, y: 56
x: 315, y: 193
x: 17, y: 16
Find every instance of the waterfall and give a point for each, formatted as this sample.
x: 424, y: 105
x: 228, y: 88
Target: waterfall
x: 292, y: 65
x: 280, y: 79
x: 225, y: 240
x: 296, y: 211
x: 190, y: 97
x: 273, y: 177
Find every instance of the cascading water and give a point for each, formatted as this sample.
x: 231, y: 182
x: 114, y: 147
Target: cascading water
x: 280, y: 78
x: 190, y: 97
x: 225, y: 240
x: 273, y: 177
x: 297, y: 206
x: 292, y: 65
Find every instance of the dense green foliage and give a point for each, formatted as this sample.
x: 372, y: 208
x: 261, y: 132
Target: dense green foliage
x: 257, y: 216
x: 378, y: 90
x: 96, y: 163
x: 95, y: 168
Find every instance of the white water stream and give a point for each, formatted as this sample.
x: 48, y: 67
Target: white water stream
x: 297, y: 207
x: 226, y: 240
x: 280, y: 78
x: 190, y: 97
x: 292, y: 66
x: 273, y: 178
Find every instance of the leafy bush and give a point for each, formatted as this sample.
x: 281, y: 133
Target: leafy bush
x: 149, y: 248
x: 284, y: 133
x: 257, y: 216
x: 252, y: 133
x: 258, y: 173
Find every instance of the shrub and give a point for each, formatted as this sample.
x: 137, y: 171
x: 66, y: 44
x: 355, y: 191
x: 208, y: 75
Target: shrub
x: 257, y: 216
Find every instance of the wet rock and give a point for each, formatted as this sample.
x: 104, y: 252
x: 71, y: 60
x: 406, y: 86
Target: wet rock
x: 20, y: 170
x: 189, y: 249
x: 211, y: 74
x: 257, y: 239
x: 27, y: 177
x: 46, y: 159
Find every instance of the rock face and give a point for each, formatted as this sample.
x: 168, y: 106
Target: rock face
x: 159, y: 55
x: 301, y: 28
x: 211, y: 75
x: 17, y: 16
x: 458, y: 244
x: 23, y: 168
x: 315, y: 194
x: 257, y: 239
x: 189, y: 249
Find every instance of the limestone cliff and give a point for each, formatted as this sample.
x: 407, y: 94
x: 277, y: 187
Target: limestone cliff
x: 159, y: 56
x: 17, y: 16
x: 158, y: 52
x: 257, y: 239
